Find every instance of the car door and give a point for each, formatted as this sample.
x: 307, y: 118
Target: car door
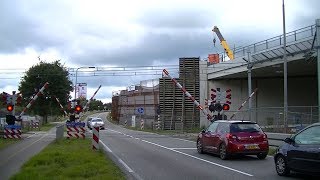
x: 304, y: 153
x: 209, y: 136
x: 222, y: 130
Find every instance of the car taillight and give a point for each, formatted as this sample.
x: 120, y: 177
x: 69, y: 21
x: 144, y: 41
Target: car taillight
x: 231, y: 136
x: 265, y: 137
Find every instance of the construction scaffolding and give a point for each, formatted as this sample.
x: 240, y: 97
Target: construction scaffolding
x: 161, y: 97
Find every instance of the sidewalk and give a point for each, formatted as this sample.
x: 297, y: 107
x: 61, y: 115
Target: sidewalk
x: 15, y: 155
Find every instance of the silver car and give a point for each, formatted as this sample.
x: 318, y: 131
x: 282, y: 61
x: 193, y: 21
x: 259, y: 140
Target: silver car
x: 96, y: 122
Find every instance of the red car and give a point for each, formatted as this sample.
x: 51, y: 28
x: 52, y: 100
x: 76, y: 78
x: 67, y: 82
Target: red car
x: 227, y: 138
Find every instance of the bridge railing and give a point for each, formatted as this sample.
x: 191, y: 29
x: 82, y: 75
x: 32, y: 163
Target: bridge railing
x: 296, y: 35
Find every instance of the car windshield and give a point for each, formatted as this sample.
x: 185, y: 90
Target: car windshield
x: 96, y: 120
x: 244, y: 127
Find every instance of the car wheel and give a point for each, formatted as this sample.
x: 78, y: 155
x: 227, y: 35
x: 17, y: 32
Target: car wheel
x: 281, y: 166
x: 223, y: 152
x: 262, y: 155
x: 199, y: 146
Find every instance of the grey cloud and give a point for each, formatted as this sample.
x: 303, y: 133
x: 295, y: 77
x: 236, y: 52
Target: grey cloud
x: 176, y: 18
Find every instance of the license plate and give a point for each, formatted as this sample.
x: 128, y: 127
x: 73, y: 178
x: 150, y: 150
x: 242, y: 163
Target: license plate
x: 251, y: 146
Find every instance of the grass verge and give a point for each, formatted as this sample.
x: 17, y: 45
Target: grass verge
x: 69, y: 159
x: 47, y: 127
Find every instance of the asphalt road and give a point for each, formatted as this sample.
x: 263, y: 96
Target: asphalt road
x: 15, y: 155
x: 146, y: 155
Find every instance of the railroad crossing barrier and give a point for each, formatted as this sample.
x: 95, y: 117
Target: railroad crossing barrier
x: 95, y: 138
x: 12, y: 132
x: 35, y: 125
x: 76, y: 130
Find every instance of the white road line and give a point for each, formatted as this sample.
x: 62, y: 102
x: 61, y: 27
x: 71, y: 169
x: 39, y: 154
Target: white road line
x: 105, y: 146
x: 216, y: 164
x: 182, y: 148
x: 125, y: 165
x: 241, y: 172
x: 32, y: 135
x: 120, y: 160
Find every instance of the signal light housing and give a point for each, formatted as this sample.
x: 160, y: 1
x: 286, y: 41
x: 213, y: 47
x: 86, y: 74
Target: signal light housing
x: 78, y: 108
x: 10, y: 107
x: 226, y: 107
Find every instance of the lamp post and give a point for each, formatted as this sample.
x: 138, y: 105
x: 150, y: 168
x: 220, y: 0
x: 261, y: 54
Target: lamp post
x: 75, y: 87
x: 285, y: 73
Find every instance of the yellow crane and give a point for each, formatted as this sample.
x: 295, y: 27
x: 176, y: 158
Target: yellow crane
x: 223, y: 43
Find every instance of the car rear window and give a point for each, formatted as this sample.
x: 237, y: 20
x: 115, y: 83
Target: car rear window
x: 244, y: 127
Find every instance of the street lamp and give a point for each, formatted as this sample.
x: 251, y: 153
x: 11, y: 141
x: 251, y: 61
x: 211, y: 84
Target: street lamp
x: 285, y: 72
x: 75, y: 87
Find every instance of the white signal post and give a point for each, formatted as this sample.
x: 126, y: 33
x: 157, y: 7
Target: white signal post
x: 209, y: 117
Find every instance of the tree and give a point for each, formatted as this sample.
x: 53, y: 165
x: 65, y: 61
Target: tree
x: 95, y: 105
x: 59, y: 86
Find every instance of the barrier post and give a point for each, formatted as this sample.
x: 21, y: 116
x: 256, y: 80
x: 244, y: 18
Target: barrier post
x: 95, y: 138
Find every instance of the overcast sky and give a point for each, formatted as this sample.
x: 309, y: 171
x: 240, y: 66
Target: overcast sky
x: 132, y: 33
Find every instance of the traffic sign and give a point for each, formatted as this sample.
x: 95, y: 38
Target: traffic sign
x: 140, y: 110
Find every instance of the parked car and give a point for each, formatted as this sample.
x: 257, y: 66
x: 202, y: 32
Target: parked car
x: 96, y: 122
x: 227, y: 138
x: 300, y: 152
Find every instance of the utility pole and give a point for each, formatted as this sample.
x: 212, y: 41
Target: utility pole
x: 318, y: 62
x: 250, y: 65
x: 285, y: 73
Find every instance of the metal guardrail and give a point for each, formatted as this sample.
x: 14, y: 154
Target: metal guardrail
x: 271, y: 118
x: 297, y: 35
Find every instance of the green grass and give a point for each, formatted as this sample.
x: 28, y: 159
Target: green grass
x: 69, y: 159
x: 47, y: 127
x: 272, y: 150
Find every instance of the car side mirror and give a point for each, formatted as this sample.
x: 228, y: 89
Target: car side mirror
x: 203, y: 131
x: 289, y: 140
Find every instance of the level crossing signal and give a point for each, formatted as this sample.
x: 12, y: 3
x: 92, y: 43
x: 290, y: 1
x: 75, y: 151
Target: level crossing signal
x: 10, y: 107
x: 78, y: 109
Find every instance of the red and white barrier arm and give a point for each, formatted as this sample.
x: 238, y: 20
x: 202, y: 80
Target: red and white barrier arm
x: 87, y: 104
x: 65, y: 112
x: 209, y: 117
x: 244, y: 102
x: 34, y: 98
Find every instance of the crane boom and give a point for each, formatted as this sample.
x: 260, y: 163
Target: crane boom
x: 223, y: 42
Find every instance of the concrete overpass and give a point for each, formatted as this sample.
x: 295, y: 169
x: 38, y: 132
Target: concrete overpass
x: 266, y: 58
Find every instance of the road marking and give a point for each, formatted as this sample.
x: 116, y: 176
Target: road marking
x: 182, y: 148
x: 105, y: 146
x: 22, y: 149
x: 125, y: 165
x: 32, y: 135
x: 120, y: 160
x: 216, y: 164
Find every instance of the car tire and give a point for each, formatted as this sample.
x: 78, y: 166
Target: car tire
x: 199, y: 147
x: 281, y: 166
x: 223, y: 152
x: 262, y: 155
